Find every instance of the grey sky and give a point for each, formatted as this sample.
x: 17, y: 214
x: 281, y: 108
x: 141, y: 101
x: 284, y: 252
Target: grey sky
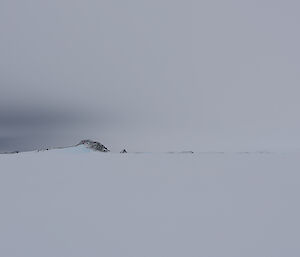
x: 166, y: 74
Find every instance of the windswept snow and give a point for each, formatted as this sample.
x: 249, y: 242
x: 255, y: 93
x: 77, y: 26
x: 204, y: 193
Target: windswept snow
x: 73, y: 149
x: 56, y: 203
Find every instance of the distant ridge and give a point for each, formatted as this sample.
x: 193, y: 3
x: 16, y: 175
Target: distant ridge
x: 93, y: 145
x: 83, y: 145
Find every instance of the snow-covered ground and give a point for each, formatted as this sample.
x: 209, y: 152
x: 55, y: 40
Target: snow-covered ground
x: 77, y: 204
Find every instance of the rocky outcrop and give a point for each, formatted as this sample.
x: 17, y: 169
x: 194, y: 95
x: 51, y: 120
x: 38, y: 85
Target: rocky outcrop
x: 93, y: 145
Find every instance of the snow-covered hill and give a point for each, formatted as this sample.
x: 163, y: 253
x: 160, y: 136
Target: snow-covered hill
x: 86, y: 145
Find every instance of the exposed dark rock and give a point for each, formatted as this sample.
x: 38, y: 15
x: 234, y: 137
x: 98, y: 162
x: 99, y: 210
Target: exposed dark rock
x: 123, y: 151
x: 94, y: 145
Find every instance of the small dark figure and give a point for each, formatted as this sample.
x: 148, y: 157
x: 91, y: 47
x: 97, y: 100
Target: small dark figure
x: 123, y: 151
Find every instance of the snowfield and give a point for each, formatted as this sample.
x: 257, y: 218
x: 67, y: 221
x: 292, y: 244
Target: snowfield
x: 88, y: 204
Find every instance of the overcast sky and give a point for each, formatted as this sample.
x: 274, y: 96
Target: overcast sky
x: 150, y: 75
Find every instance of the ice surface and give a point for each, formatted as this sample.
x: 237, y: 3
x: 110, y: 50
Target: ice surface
x: 55, y: 203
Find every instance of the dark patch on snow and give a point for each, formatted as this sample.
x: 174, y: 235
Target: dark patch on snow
x: 94, y: 145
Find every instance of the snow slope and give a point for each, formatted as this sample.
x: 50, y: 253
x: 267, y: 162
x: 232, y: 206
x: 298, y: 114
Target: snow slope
x: 68, y: 204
